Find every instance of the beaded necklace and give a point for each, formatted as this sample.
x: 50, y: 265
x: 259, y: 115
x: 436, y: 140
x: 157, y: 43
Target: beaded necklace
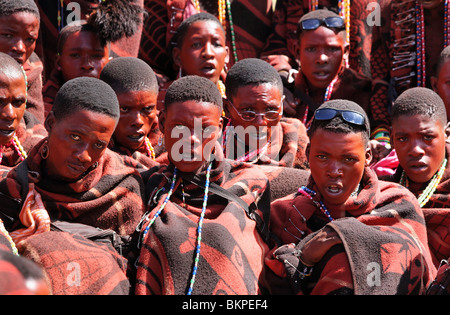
x: 224, y: 8
x: 305, y: 191
x: 60, y: 16
x: 326, y: 98
x: 8, y: 237
x: 17, y: 146
x: 431, y: 187
x: 200, y: 222
x: 249, y: 157
x: 149, y: 148
x: 420, y: 40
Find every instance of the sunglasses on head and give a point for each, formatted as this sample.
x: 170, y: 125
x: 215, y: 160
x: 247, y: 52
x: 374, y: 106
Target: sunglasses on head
x: 330, y: 22
x: 349, y: 116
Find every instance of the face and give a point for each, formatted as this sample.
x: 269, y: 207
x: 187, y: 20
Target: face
x: 420, y: 145
x: 430, y: 4
x: 12, y: 104
x: 203, y: 51
x: 82, y: 56
x: 337, y: 163
x: 191, y: 130
x: 321, y: 55
x: 441, y: 85
x: 76, y: 142
x: 259, y: 99
x: 18, y: 35
x: 137, y: 115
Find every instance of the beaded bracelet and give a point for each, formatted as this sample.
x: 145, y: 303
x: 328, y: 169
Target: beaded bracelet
x: 303, y: 269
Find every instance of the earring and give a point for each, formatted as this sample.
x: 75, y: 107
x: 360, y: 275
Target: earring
x: 160, y: 140
x: 45, y: 151
x: 180, y: 72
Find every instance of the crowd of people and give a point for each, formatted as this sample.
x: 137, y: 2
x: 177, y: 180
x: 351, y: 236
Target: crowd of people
x: 244, y: 147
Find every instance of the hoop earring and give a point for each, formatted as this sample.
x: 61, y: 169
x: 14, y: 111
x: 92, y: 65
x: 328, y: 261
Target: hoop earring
x: 45, y: 151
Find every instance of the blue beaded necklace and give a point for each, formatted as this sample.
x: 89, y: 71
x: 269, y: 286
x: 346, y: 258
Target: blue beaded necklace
x: 200, y: 222
x: 305, y: 191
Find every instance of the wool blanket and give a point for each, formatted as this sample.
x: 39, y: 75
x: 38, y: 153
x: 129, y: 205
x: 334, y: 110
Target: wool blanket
x: 109, y: 196
x: 287, y: 147
x: 231, y: 256
x: 384, y: 246
x: 34, y: 68
x: 77, y: 266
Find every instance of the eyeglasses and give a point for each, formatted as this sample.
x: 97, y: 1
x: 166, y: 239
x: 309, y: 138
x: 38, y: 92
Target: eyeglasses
x: 249, y: 115
x: 331, y: 22
x: 349, y: 116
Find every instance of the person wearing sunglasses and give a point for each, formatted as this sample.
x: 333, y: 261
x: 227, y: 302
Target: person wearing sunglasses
x: 256, y: 131
x: 345, y: 223
x: 323, y: 75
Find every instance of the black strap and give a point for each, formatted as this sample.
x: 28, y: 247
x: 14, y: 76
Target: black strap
x: 261, y: 224
x: 10, y: 207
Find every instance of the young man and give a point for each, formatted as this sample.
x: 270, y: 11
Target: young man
x: 440, y: 81
x: 137, y: 133
x: 194, y: 241
x: 418, y: 134
x: 345, y: 223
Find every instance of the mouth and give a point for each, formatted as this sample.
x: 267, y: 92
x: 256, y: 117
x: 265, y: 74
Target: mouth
x: 208, y: 69
x: 321, y: 75
x: 417, y: 167
x: 334, y: 189
x: 7, y: 132
x: 76, y: 168
x: 136, y: 137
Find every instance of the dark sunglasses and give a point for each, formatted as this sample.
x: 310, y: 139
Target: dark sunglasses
x: 330, y: 22
x: 349, y: 116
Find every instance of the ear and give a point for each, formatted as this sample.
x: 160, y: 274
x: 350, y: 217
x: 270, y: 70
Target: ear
x: 434, y: 81
x: 162, y: 120
x: 176, y: 56
x: 227, y: 57
x: 58, y: 62
x: 368, y: 156
x: 308, y: 147
x: 226, y: 104
x: 447, y: 133
x: 50, y: 121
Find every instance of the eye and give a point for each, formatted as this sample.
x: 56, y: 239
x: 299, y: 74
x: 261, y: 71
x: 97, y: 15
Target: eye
x: 75, y: 137
x: 402, y: 139
x: 428, y: 137
x: 149, y: 109
x: 99, y: 146
x: 124, y: 109
x: 321, y: 157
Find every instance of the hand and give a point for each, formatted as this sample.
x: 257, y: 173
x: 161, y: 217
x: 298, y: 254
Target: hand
x: 314, y: 250
x: 379, y: 151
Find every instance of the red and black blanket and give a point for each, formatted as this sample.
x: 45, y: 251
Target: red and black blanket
x: 384, y: 246
x: 232, y: 251
x: 108, y: 197
x: 287, y: 146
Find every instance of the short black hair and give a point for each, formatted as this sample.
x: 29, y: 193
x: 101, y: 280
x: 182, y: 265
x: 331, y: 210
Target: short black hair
x: 85, y: 93
x: 184, y: 26
x: 338, y: 124
x: 10, y: 7
x: 251, y: 71
x: 320, y: 14
x: 420, y: 101
x: 444, y: 56
x: 74, y: 27
x: 125, y: 74
x: 193, y: 88
x: 10, y: 66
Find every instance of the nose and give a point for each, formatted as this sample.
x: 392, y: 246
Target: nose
x: 8, y: 113
x: 334, y: 169
x: 208, y: 51
x: 322, y: 58
x: 87, y: 63
x: 137, y: 119
x: 416, y: 148
x: 82, y: 153
x: 19, y: 46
